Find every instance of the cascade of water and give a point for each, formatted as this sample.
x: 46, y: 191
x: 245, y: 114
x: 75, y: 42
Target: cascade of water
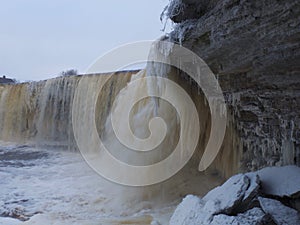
x: 55, y: 103
x: 42, y: 111
x: 155, y: 69
x: 3, y: 94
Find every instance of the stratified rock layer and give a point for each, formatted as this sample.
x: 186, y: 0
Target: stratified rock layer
x: 253, y: 48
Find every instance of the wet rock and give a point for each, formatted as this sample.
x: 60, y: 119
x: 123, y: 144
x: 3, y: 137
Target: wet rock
x: 280, y: 213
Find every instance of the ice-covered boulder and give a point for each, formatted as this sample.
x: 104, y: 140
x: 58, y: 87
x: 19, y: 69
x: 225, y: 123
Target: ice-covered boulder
x: 280, y: 213
x: 225, y: 199
x: 229, y: 194
x: 9, y: 221
x: 241, y: 200
x: 253, y: 188
x: 192, y: 212
x: 237, y: 190
x: 280, y: 181
x: 189, y: 211
x: 254, y: 216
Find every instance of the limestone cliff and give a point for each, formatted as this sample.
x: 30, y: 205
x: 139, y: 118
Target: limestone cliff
x: 253, y: 48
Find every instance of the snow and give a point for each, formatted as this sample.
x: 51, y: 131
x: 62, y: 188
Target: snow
x: 222, y: 199
x: 192, y: 212
x: 280, y: 181
x: 238, y: 200
x: 254, y: 216
x: 253, y: 188
x: 280, y: 213
x: 229, y: 195
x: 9, y: 221
x: 189, y: 211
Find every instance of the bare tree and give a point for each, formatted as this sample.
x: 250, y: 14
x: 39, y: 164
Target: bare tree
x: 70, y: 72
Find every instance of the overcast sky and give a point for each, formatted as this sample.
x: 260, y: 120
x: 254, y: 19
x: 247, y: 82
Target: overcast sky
x: 39, y: 38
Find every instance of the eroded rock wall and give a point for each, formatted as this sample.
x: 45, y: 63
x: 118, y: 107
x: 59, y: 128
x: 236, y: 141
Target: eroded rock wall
x: 253, y: 47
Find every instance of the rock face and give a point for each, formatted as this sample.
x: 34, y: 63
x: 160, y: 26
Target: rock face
x: 253, y: 48
x: 239, y: 201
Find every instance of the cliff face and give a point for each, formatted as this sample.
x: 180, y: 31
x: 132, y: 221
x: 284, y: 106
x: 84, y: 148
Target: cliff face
x: 253, y: 47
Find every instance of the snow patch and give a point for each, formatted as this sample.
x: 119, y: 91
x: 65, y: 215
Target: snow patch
x: 280, y: 181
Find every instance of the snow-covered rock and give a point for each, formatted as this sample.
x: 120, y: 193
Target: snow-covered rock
x: 238, y: 190
x: 221, y: 200
x: 253, y: 216
x: 9, y: 221
x: 239, y: 200
x: 280, y: 181
x: 253, y: 188
x: 189, y: 211
x: 192, y: 212
x: 280, y: 213
x: 229, y: 194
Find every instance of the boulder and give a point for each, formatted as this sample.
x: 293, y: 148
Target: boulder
x: 253, y: 216
x: 235, y: 192
x: 253, y: 188
x: 239, y: 200
x: 192, y: 211
x: 189, y: 211
x: 280, y: 213
x: 280, y: 181
x: 225, y: 199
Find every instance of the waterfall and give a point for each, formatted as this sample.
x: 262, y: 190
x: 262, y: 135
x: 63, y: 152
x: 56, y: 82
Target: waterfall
x: 42, y: 113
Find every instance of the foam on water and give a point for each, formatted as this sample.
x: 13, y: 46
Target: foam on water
x: 58, y: 187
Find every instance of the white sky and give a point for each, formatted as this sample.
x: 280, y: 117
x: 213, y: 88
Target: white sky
x: 39, y: 38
